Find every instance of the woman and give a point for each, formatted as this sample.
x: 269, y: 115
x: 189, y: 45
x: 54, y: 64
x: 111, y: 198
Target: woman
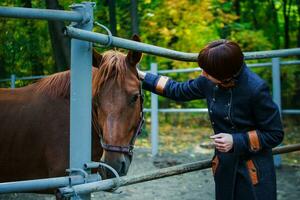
x: 245, y: 120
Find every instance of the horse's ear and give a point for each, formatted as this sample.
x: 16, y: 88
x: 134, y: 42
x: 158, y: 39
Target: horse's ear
x: 134, y: 57
x: 97, y: 58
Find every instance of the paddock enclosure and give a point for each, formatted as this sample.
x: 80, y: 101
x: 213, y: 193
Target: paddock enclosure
x: 81, y: 183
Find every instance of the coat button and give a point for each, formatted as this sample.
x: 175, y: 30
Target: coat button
x: 214, y: 99
x: 226, y: 118
x: 213, y: 123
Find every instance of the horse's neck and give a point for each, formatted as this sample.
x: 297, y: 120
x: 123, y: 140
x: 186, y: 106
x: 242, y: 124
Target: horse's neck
x: 16, y: 93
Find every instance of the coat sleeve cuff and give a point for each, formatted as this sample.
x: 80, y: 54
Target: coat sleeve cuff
x: 246, y: 142
x: 254, y: 143
x: 155, y: 83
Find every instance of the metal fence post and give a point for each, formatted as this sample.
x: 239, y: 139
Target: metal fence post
x: 276, y: 95
x: 13, y: 81
x: 154, y: 117
x: 81, y: 93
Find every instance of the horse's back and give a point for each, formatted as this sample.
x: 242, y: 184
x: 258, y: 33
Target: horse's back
x: 33, y: 134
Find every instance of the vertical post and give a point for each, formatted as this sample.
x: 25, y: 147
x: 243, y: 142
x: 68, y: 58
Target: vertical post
x: 81, y: 92
x: 13, y: 81
x: 154, y: 117
x: 276, y: 82
x: 276, y: 95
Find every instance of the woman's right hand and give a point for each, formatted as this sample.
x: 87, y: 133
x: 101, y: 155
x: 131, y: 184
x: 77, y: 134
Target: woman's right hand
x: 223, y: 141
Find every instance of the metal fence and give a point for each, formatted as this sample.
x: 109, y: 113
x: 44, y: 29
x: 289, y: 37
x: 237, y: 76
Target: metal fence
x: 80, y: 99
x: 155, y: 110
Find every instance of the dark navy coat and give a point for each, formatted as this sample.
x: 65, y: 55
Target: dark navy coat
x: 246, y: 111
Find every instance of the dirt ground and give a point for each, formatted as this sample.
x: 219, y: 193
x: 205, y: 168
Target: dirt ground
x: 190, y: 186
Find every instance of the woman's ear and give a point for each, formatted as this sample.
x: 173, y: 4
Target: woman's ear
x: 97, y: 58
x: 134, y: 57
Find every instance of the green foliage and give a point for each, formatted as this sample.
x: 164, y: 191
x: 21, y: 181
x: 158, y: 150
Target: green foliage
x: 182, y: 26
x: 25, y: 46
x: 251, y: 40
x: 185, y: 25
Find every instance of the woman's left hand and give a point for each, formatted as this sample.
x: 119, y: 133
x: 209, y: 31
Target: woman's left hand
x: 223, y: 141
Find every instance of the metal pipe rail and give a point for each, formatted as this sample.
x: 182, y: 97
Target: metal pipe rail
x: 46, y: 183
x: 127, y: 44
x: 46, y: 14
x: 157, y: 174
x: 267, y: 64
x: 205, y: 110
x: 164, y: 52
x: 251, y: 65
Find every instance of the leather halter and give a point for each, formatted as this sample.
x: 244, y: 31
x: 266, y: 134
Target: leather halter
x: 129, y: 148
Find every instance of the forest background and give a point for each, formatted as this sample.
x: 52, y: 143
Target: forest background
x: 32, y: 47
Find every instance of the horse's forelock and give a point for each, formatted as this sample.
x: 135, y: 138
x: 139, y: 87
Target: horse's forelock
x: 113, y: 66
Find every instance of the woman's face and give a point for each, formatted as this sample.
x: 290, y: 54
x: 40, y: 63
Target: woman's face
x: 209, y: 77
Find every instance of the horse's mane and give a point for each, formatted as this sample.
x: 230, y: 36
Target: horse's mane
x: 113, y: 65
x: 56, y: 85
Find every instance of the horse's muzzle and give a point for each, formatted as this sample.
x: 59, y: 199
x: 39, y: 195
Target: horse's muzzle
x: 119, y: 161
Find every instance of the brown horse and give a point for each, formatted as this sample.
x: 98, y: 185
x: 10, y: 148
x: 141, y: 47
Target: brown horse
x: 34, y: 120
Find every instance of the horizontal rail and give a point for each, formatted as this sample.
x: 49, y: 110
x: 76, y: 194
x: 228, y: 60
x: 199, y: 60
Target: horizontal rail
x: 157, y: 174
x: 272, y: 53
x: 204, y: 110
x: 186, y: 70
x: 267, y: 64
x: 290, y: 111
x: 128, y: 44
x: 31, y: 77
x: 286, y: 149
x: 164, y: 52
x: 25, y: 78
x: 5, y: 80
x: 45, y: 14
x: 47, y: 183
x: 290, y: 62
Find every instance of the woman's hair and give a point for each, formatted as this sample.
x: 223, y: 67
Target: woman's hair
x: 221, y: 59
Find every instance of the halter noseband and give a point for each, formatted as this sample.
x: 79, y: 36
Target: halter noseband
x: 128, y: 149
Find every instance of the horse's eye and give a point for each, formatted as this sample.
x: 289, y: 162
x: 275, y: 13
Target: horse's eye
x: 134, y: 98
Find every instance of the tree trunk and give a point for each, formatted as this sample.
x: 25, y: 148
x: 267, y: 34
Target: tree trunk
x: 112, y: 17
x: 298, y: 35
x: 2, y: 69
x: 276, y: 36
x: 237, y: 8
x: 286, y: 15
x: 60, y: 43
x: 134, y: 17
x: 253, y: 13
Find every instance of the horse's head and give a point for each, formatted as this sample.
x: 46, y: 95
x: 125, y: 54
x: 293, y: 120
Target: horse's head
x: 117, y: 106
